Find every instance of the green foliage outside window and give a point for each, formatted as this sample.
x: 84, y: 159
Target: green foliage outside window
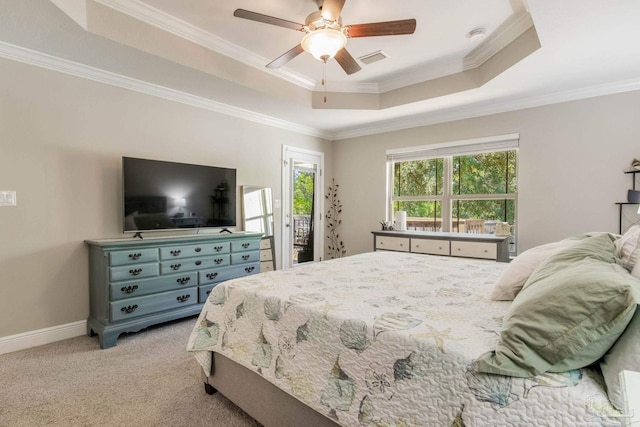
x: 302, y: 192
x: 485, y: 174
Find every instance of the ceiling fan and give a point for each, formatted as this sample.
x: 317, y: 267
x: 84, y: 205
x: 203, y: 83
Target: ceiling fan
x: 325, y: 36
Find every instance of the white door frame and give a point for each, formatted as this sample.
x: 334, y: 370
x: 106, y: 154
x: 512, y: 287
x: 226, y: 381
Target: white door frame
x: 289, y: 156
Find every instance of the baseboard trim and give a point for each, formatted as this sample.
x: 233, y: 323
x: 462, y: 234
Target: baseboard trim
x: 42, y: 336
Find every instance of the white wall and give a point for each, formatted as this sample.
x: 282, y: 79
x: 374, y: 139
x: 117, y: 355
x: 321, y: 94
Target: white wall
x: 62, y: 139
x: 571, y: 164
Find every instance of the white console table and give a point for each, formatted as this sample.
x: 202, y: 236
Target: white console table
x: 486, y: 246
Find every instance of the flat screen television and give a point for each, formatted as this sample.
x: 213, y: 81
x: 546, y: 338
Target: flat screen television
x: 161, y: 195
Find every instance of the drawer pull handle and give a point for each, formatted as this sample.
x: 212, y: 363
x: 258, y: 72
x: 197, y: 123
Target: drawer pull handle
x: 129, y: 309
x: 183, y: 280
x: 176, y: 266
x: 183, y: 298
x: 198, y: 262
x: 217, y: 248
x: 129, y: 289
x: 198, y: 249
x: 245, y: 257
x: 218, y: 260
x: 245, y: 245
x: 212, y: 276
x: 208, y: 292
x: 135, y: 256
x: 135, y: 272
x: 249, y: 269
x: 175, y: 252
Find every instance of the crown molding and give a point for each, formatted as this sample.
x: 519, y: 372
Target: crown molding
x: 42, y: 60
x: 511, y: 31
x: 444, y: 116
x: 159, y: 19
x: 494, y: 44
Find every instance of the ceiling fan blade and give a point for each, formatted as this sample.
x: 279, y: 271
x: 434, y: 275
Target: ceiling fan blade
x: 266, y: 19
x: 331, y: 9
x: 347, y: 62
x: 389, y: 28
x: 285, y: 57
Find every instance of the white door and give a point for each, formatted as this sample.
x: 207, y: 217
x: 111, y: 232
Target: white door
x: 302, y: 206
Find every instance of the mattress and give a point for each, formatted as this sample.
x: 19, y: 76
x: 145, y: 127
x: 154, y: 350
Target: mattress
x: 388, y: 339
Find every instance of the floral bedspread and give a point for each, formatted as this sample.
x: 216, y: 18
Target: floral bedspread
x: 388, y: 339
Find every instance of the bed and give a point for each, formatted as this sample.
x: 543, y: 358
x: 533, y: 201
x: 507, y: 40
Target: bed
x: 401, y: 339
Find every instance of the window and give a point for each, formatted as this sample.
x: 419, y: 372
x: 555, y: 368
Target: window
x: 463, y: 187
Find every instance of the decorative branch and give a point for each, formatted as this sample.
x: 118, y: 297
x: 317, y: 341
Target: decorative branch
x: 336, y: 246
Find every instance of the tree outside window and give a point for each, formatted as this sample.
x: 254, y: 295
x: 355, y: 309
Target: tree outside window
x: 479, y: 189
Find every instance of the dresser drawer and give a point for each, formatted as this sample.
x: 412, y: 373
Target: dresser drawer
x: 135, y: 307
x: 151, y: 286
x: 429, y: 246
x: 245, y: 257
x: 133, y: 257
x: 266, y: 266
x: 204, y: 291
x: 186, y: 251
x: 266, y: 255
x: 215, y: 275
x: 245, y: 245
x: 474, y: 250
x: 134, y: 271
x: 209, y: 279
x: 265, y: 243
x: 189, y: 264
x: 392, y: 243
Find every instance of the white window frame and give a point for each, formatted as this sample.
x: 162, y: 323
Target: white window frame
x: 447, y: 151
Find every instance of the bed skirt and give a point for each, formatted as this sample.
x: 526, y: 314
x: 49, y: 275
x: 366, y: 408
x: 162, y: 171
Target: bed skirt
x: 263, y: 401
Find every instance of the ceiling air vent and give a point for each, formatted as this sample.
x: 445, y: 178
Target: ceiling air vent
x: 373, y: 57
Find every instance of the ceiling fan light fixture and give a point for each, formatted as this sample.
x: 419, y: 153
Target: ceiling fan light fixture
x: 324, y: 43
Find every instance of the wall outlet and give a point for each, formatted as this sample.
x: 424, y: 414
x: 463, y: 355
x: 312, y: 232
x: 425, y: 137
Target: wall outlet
x: 8, y: 198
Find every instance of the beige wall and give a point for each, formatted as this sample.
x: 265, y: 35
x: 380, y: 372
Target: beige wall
x: 62, y: 139
x: 572, y: 159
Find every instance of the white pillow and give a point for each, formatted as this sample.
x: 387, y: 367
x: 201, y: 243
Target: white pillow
x: 513, y: 278
x: 628, y: 247
x: 624, y: 355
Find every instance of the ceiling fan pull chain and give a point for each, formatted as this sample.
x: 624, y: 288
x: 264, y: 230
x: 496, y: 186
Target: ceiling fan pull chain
x: 324, y: 79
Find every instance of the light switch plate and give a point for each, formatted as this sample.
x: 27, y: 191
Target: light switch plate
x: 8, y: 198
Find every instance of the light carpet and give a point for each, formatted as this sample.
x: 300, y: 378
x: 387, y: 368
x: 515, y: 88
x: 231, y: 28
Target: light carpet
x: 147, y: 379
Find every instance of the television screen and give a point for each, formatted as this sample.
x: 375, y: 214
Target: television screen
x: 160, y: 195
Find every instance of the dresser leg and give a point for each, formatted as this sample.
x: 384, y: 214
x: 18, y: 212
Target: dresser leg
x: 108, y: 340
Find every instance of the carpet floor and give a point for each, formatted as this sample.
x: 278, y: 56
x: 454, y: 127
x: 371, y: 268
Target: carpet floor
x: 147, y: 379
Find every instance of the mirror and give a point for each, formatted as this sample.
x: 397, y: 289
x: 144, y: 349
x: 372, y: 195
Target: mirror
x: 257, y: 209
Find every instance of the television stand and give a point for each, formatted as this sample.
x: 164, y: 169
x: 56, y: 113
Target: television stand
x: 226, y: 230
x: 138, y: 235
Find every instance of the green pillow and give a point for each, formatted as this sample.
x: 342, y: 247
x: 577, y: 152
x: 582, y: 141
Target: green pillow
x: 570, y: 312
x: 600, y: 247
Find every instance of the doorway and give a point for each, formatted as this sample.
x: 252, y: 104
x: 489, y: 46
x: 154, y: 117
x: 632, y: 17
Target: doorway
x: 302, y: 206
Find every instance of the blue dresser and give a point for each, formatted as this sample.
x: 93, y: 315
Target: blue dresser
x: 138, y: 283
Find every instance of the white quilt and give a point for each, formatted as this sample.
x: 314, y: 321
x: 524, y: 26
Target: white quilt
x: 388, y: 339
